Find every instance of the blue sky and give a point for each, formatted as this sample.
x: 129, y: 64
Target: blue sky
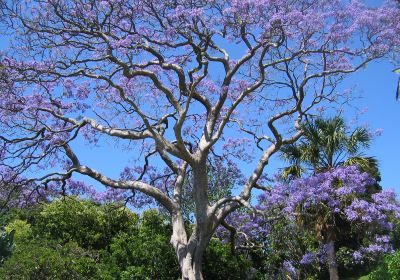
x: 377, y: 84
x: 376, y: 108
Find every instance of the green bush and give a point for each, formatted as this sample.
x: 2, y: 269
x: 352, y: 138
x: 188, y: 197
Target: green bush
x: 221, y: 264
x: 42, y: 261
x: 388, y: 269
x: 6, y: 245
x: 90, y: 225
x: 72, y: 239
x: 145, y: 253
x: 22, y: 231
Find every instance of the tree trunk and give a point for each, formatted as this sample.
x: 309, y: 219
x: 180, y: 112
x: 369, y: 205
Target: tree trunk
x: 192, y: 263
x: 190, y: 251
x: 332, y: 265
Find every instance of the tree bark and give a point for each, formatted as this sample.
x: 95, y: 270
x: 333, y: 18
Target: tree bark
x: 331, y: 257
x: 190, y: 251
x: 192, y: 262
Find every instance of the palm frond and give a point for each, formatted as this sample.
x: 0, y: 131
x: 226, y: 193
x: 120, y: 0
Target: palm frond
x: 291, y: 152
x: 359, y: 137
x: 293, y: 171
x: 325, y: 144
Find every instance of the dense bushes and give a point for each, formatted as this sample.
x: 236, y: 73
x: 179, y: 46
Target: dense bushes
x: 77, y: 239
x: 388, y: 269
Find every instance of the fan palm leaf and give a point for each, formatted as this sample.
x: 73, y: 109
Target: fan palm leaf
x: 328, y: 143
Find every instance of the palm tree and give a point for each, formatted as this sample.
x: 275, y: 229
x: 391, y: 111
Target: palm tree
x: 326, y: 144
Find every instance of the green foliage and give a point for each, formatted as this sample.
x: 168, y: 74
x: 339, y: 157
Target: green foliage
x: 219, y: 262
x: 7, y: 217
x: 22, y: 231
x: 66, y: 240
x: 41, y: 261
x: 388, y: 269
x: 145, y: 252
x: 6, y: 245
x: 395, y: 236
x: 77, y: 239
x: 90, y: 225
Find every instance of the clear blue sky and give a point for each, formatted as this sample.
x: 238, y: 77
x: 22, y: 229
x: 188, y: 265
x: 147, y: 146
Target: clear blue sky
x: 377, y: 84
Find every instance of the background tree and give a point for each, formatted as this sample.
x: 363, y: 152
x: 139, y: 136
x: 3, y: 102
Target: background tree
x: 323, y: 201
x: 327, y: 144
x: 389, y: 269
x: 6, y: 245
x: 162, y: 79
x: 300, y: 222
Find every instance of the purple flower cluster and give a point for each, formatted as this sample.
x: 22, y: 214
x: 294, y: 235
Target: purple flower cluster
x: 308, y: 258
x: 289, y: 268
x: 248, y: 228
x: 380, y: 246
x: 16, y: 191
x: 339, y: 191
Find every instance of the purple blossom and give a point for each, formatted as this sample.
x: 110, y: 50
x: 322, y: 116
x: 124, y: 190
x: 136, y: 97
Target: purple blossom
x: 308, y: 258
x: 357, y: 256
x: 372, y: 251
x: 383, y: 239
x: 339, y: 190
x: 289, y: 268
x: 378, y: 132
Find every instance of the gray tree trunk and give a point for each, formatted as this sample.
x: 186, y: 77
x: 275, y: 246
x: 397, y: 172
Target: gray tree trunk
x: 332, y: 265
x: 190, y: 251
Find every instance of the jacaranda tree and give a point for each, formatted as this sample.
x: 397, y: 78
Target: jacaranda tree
x: 179, y: 84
